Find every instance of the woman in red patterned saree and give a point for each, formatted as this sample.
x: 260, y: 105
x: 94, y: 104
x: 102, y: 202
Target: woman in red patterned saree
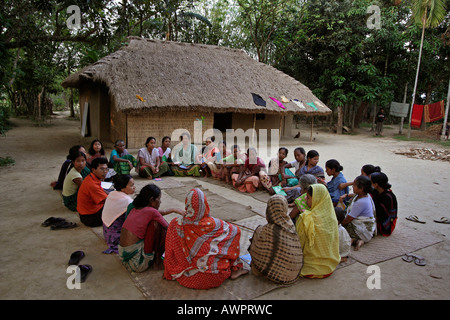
x: 201, y: 251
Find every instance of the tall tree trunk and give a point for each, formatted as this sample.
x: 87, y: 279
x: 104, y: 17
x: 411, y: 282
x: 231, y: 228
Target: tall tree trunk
x: 72, y: 111
x: 362, y: 109
x: 40, y: 98
x: 340, y: 116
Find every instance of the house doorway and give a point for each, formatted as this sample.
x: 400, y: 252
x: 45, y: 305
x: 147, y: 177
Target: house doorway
x: 223, y: 121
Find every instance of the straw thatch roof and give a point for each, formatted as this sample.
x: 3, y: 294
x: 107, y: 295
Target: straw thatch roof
x: 183, y: 76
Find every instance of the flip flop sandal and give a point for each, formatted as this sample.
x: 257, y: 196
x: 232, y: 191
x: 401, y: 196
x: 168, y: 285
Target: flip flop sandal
x: 420, y: 261
x: 51, y: 221
x: 63, y: 225
x: 443, y: 220
x: 85, y: 269
x: 414, y: 219
x: 76, y: 257
x: 408, y: 257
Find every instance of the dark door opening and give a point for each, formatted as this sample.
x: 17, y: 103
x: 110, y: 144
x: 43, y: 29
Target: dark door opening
x: 223, y: 121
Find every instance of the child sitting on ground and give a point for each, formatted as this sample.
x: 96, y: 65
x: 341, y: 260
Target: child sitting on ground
x: 96, y: 150
x: 74, y: 179
x: 345, y: 242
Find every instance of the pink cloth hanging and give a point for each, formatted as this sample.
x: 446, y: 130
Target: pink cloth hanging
x: 278, y: 103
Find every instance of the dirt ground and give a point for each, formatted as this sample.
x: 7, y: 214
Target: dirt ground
x: 34, y: 258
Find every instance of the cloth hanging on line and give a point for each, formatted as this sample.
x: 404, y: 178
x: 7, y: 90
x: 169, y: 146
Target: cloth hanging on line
x: 278, y: 103
x: 399, y: 109
x: 416, y: 116
x: 258, y: 100
x: 298, y: 103
x: 284, y: 99
x: 434, y: 111
x: 312, y: 105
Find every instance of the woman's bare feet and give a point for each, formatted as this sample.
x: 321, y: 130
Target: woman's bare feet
x: 237, y: 273
x: 358, y: 244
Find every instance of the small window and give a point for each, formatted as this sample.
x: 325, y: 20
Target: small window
x: 260, y: 116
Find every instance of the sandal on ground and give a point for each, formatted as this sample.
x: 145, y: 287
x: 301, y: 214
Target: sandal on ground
x: 408, y: 257
x: 63, y: 225
x: 51, y: 221
x: 443, y: 220
x: 76, y: 257
x: 420, y: 261
x: 85, y: 269
x: 414, y: 219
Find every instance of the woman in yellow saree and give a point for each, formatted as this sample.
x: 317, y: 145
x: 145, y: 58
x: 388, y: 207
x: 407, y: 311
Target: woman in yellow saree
x: 317, y: 229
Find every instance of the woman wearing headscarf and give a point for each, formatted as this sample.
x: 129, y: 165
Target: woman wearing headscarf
x: 318, y: 231
x: 201, y: 251
x: 275, y: 248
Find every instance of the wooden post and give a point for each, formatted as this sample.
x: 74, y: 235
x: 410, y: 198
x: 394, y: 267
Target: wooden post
x: 312, y: 125
x: 254, y: 128
x: 404, y: 101
x: 280, y: 129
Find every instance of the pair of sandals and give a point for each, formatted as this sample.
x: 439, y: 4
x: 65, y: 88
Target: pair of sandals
x: 416, y: 219
x: 85, y: 269
x: 418, y: 260
x: 58, y: 223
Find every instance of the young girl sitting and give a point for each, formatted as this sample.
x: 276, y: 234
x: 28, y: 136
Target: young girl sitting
x: 66, y: 166
x: 121, y: 160
x: 144, y: 231
x: 74, y: 179
x: 337, y: 186
x: 113, y: 215
x: 96, y: 150
x: 360, y: 220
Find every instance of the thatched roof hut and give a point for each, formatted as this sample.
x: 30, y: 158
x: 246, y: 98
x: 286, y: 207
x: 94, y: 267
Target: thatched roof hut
x: 163, y: 79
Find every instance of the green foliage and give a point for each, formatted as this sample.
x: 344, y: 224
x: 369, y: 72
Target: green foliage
x: 4, y: 119
x: 6, y: 161
x: 326, y: 45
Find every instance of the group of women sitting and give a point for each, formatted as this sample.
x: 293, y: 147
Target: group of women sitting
x: 304, y: 236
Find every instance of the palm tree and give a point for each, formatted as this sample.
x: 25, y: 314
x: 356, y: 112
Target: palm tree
x: 428, y: 13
